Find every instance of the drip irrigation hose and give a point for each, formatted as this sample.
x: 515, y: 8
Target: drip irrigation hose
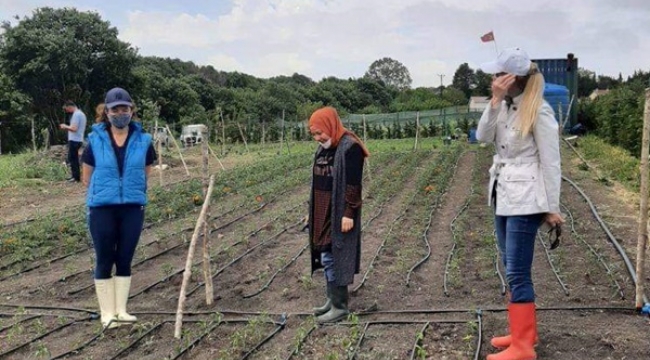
x: 359, y: 342
x: 84, y: 345
x: 268, y: 283
x: 274, y: 237
x: 419, y: 337
x: 612, y: 239
x: 19, y: 322
x: 452, y: 226
x: 280, y: 327
x: 497, y: 261
x: 56, y: 308
x: 58, y: 328
x: 300, y: 342
x: 134, y: 342
x: 600, y: 259
x: 425, y: 234
x: 479, y: 341
x: 556, y: 272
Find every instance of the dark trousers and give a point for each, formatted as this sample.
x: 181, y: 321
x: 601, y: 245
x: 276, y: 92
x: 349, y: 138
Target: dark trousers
x: 115, y: 231
x: 73, y: 159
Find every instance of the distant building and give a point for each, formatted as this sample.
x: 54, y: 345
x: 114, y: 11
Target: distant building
x: 478, y: 103
x: 598, y: 92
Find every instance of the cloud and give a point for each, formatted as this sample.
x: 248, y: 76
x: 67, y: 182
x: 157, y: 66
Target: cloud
x: 343, y: 37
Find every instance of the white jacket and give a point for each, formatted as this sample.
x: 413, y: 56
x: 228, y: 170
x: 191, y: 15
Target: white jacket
x: 527, y: 170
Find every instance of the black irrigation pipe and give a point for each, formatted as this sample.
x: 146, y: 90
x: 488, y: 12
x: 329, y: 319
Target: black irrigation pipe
x: 301, y: 342
x: 497, y: 261
x: 54, y: 308
x: 425, y: 237
x: 452, y: 227
x: 147, y: 288
x: 268, y: 283
x: 76, y: 291
x: 406, y: 322
x: 598, y: 256
x: 555, y: 270
x: 234, y: 261
x: 359, y: 342
x: 425, y: 234
x: 82, y: 346
x: 134, y: 342
x: 418, y: 340
x: 42, y: 263
x: 58, y: 328
x: 196, y: 341
x: 383, y: 243
x: 19, y: 322
x: 612, y: 239
x: 497, y: 309
x: 280, y: 327
x: 479, y: 341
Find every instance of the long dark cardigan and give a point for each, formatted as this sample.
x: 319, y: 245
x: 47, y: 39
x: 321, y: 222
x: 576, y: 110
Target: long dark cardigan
x: 346, y: 247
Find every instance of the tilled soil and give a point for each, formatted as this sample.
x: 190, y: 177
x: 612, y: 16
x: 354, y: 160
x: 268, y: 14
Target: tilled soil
x: 264, y: 291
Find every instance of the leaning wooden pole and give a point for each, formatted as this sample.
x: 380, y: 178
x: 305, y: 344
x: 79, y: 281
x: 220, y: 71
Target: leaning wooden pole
x: 187, y: 171
x: 642, y: 239
x: 190, y: 257
x: 207, y: 266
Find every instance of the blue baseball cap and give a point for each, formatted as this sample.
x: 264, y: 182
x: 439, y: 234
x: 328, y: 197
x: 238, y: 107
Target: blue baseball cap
x: 116, y: 97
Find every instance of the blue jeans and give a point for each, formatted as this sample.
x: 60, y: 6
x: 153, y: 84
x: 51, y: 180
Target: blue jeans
x: 516, y: 241
x: 327, y: 260
x: 115, y: 231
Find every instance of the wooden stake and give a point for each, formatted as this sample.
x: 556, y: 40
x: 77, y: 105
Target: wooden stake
x: 207, y: 268
x: 223, y: 134
x: 417, y: 130
x: 365, y: 142
x: 190, y: 257
x: 241, y: 132
x: 187, y: 171
x: 159, y: 150
x: 216, y: 157
x: 282, y: 133
x: 34, y: 135
x: 642, y: 239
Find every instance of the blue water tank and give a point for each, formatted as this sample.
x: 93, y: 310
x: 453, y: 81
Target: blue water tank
x: 558, y: 97
x: 472, y: 136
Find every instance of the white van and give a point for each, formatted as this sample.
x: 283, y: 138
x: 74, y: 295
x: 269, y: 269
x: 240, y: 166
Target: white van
x: 193, y: 134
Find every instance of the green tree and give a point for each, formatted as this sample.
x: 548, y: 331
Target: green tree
x: 391, y: 72
x: 60, y: 54
x: 464, y: 79
x: 15, y: 127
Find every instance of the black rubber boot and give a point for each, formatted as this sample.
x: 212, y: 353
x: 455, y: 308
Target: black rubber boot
x: 339, y: 310
x: 328, y: 304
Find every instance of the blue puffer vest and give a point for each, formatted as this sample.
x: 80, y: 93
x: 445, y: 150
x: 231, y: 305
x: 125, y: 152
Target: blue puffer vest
x: 106, y: 186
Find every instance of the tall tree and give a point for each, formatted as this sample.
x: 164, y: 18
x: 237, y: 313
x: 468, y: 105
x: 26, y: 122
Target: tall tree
x: 60, y: 54
x: 464, y: 79
x: 391, y: 72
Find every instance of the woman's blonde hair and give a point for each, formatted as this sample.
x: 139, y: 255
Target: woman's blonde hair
x: 532, y: 100
x: 100, y: 113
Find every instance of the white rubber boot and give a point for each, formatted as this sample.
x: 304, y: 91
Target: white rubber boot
x: 105, y: 290
x: 122, y: 288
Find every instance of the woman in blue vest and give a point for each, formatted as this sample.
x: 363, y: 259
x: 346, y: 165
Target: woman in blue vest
x: 116, y: 165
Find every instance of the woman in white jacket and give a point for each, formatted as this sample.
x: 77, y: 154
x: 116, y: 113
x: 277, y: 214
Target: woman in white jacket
x: 524, y: 186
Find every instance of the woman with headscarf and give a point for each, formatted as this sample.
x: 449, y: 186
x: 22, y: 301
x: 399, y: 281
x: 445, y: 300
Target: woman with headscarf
x: 335, y: 209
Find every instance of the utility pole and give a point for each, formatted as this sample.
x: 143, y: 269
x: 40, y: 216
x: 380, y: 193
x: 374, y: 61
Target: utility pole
x: 441, y: 76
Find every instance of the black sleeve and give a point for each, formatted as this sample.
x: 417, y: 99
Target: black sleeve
x: 151, y: 156
x: 354, y: 175
x: 354, y: 165
x: 87, y: 157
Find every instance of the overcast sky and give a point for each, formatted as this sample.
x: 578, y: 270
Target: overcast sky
x: 342, y: 38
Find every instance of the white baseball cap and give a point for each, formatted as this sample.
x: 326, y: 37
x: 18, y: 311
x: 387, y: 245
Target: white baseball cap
x: 512, y: 61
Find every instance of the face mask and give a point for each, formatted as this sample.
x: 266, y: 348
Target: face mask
x: 120, y: 121
x: 327, y: 144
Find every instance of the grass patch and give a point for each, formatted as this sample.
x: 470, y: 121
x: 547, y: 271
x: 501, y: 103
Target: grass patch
x: 30, y: 169
x: 614, y: 162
